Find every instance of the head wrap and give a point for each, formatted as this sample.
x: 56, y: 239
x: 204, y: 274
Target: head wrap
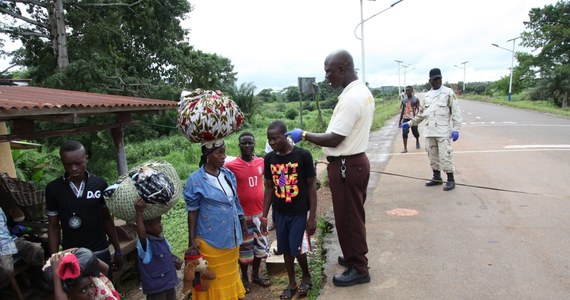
x: 208, y: 147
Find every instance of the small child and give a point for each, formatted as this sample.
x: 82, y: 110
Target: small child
x: 157, y: 265
x: 77, y: 274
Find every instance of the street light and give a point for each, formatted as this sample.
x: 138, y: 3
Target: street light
x: 405, y: 71
x: 512, y: 62
x: 361, y: 38
x: 463, y: 63
x: 399, y: 62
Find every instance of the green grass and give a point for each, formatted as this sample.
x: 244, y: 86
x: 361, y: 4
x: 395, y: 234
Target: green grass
x: 318, y: 257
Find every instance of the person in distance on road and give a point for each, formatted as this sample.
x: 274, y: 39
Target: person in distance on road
x: 409, y: 109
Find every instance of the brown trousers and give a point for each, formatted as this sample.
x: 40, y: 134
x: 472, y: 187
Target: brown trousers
x: 348, y: 197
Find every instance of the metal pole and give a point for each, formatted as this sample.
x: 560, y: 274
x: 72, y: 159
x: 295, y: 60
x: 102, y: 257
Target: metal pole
x: 464, y: 68
x: 464, y: 78
x: 405, y: 71
x: 361, y: 24
x: 362, y: 42
x: 512, y: 64
x: 399, y: 62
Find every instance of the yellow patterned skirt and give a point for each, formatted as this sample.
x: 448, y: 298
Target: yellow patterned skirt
x: 224, y: 263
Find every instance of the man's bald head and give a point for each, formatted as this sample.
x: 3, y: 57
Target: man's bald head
x: 339, y: 68
x: 341, y: 57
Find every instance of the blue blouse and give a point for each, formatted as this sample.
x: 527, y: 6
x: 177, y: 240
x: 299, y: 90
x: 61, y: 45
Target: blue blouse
x: 218, y: 222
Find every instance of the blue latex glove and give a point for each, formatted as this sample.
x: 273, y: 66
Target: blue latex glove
x: 454, y: 135
x: 295, y: 134
x: 405, y: 125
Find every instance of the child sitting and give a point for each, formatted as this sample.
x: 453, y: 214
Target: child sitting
x: 155, y: 260
x: 77, y: 274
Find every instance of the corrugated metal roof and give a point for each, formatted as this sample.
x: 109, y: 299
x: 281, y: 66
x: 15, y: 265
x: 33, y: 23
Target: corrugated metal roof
x: 21, y: 101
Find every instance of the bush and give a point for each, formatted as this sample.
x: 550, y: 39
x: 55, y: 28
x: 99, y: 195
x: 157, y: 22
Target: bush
x: 291, y: 113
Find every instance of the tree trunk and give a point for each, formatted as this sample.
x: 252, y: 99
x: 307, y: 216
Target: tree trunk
x: 565, y: 100
x: 57, y: 29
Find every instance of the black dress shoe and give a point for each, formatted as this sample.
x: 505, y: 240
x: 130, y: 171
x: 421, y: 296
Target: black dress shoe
x: 450, y: 185
x: 434, y: 181
x: 342, y: 261
x: 351, y: 277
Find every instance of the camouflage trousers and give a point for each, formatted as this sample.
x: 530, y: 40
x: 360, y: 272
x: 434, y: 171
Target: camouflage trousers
x: 440, y: 154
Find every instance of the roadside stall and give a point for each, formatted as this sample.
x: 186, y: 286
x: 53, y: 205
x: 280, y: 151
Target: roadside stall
x: 21, y: 107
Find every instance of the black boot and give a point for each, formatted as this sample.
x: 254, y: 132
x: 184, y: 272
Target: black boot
x: 436, y: 180
x: 450, y: 184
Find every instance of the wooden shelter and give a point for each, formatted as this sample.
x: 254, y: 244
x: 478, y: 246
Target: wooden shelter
x: 22, y: 106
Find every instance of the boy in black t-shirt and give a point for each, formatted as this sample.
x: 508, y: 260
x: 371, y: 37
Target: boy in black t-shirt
x: 290, y: 186
x: 77, y: 213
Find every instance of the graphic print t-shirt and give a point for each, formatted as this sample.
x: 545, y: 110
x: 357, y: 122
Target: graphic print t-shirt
x: 289, y: 175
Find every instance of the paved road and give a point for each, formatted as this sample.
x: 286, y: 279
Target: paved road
x: 470, y: 243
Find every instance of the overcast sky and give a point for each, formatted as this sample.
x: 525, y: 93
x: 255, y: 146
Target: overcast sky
x: 272, y: 43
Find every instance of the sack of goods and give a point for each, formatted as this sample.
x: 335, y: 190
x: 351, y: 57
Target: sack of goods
x: 205, y: 115
x: 156, y: 182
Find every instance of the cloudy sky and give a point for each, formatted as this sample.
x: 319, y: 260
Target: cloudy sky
x: 272, y: 43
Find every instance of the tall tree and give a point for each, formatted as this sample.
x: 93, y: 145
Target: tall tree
x: 548, y: 32
x: 113, y: 46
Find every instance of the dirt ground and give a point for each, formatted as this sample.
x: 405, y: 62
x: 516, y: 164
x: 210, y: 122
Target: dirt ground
x: 131, y: 288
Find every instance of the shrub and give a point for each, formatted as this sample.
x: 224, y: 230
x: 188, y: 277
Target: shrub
x: 291, y: 113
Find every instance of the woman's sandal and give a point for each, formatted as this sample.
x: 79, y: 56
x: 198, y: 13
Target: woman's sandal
x: 304, y: 288
x: 261, y: 281
x: 288, y: 293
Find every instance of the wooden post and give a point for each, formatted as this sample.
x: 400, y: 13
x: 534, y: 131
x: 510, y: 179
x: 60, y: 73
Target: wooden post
x: 6, y: 161
x: 7, y: 165
x: 118, y: 139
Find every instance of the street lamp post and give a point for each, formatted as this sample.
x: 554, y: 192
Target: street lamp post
x: 362, y: 42
x: 463, y: 63
x: 399, y: 62
x: 512, y: 63
x: 361, y: 38
x: 405, y: 71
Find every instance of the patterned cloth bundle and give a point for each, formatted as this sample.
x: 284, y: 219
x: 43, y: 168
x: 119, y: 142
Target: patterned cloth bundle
x: 205, y: 115
x: 156, y: 182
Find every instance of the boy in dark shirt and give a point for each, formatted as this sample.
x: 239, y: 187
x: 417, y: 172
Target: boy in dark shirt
x: 290, y: 187
x: 155, y: 260
x: 76, y: 210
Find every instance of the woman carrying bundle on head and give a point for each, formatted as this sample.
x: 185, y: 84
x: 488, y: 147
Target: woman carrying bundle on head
x: 216, y: 223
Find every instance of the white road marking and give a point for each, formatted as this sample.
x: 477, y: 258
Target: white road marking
x: 535, y: 146
x: 486, y: 124
x: 484, y: 151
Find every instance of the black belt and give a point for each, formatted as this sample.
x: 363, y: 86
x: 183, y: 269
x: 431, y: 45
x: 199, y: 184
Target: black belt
x: 333, y: 158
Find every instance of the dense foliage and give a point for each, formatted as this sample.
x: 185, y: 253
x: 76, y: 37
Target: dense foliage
x: 548, y: 32
x: 137, y: 48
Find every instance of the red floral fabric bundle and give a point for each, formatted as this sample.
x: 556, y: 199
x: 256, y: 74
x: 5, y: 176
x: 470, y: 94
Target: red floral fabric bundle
x: 205, y: 115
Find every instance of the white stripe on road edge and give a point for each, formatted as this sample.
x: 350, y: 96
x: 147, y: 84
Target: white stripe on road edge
x: 535, y: 146
x: 484, y: 151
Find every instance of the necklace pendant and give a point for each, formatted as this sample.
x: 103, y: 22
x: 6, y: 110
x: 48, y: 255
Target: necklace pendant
x: 74, y: 222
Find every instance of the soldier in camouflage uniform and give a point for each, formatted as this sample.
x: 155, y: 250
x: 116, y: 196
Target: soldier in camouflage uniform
x: 443, y: 120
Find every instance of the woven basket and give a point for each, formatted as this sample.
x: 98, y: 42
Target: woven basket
x: 121, y: 202
x: 31, y: 201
